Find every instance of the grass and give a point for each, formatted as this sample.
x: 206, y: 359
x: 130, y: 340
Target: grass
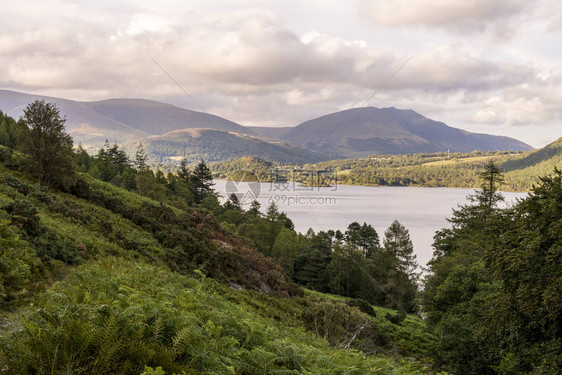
x: 230, y: 331
x: 148, y: 316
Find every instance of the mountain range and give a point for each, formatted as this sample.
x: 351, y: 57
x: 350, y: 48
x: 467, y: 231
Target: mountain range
x: 170, y: 133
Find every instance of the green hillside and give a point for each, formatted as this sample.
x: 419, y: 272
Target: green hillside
x: 98, y: 279
x: 107, y: 267
x: 214, y: 145
x: 117, y: 305
x: 430, y: 170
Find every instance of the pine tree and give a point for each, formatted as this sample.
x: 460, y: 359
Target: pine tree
x: 201, y: 182
x: 491, y: 178
x: 255, y: 208
x: 141, y: 159
x: 397, y: 243
x: 233, y: 203
x: 272, y: 213
x: 183, y: 172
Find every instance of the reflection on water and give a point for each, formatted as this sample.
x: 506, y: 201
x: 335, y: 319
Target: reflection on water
x: 421, y: 210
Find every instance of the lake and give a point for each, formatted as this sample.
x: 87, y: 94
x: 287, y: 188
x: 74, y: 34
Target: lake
x: 421, y: 210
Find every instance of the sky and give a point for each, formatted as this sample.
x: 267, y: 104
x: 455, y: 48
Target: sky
x: 491, y: 66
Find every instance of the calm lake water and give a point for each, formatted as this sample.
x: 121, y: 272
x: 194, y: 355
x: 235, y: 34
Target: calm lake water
x: 421, y: 210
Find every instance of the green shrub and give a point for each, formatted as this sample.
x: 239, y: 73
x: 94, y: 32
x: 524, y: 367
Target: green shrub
x: 116, y: 317
x: 363, y: 306
x: 24, y: 216
x: 397, y: 318
x: 19, y: 264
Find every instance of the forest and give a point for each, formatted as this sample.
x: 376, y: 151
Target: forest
x: 107, y: 266
x: 442, y: 169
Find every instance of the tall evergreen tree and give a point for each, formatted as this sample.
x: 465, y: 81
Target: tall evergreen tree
x: 364, y: 237
x: 491, y: 178
x: 455, y: 291
x: 201, y: 182
x: 141, y: 159
x: 398, y: 244
x: 52, y: 158
x: 183, y: 172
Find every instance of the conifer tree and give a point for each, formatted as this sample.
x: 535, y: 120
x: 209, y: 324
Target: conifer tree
x: 141, y: 159
x: 398, y: 244
x: 183, y: 172
x: 201, y: 182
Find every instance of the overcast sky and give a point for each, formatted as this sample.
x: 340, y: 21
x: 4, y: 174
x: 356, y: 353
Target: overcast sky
x: 492, y: 66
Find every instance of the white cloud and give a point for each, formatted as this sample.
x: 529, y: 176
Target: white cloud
x: 247, y: 65
x: 461, y: 16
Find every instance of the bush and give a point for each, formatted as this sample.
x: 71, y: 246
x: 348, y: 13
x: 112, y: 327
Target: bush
x: 343, y: 327
x: 363, y: 306
x: 397, y: 318
x: 21, y: 187
x: 80, y: 189
x: 6, y: 156
x: 24, y: 216
x: 50, y: 246
x: 19, y: 264
x: 111, y: 203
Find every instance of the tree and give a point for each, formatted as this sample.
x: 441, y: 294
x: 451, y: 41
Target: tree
x: 201, y: 182
x: 364, y: 237
x: 141, y: 159
x: 272, y: 213
x: 183, y: 172
x: 52, y: 159
x: 491, y: 178
x: 524, y: 317
x: 232, y: 203
x: 255, y: 209
x: 8, y: 131
x: 397, y: 243
x: 456, y: 290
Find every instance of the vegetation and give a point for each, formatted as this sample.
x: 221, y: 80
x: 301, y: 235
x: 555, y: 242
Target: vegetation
x: 428, y: 170
x: 50, y: 148
x: 493, y: 295
x: 98, y: 279
x: 216, y: 144
x: 123, y: 270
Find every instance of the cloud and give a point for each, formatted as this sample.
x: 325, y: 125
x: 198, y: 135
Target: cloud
x: 459, y: 16
x: 249, y: 66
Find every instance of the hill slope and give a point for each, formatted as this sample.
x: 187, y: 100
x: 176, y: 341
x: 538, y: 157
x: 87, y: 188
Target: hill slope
x: 132, y: 292
x: 363, y: 131
x: 215, y: 145
x: 119, y: 120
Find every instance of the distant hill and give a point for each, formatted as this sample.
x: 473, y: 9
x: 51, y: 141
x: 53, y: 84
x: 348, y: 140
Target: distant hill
x: 532, y: 164
x: 164, y: 129
x: 119, y: 120
x: 360, y: 132
x: 215, y: 145
x: 85, y: 125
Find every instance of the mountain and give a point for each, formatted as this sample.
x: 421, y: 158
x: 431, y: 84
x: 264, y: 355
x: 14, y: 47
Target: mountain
x: 165, y: 129
x: 85, y: 125
x: 119, y: 120
x: 215, y: 145
x: 361, y: 132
